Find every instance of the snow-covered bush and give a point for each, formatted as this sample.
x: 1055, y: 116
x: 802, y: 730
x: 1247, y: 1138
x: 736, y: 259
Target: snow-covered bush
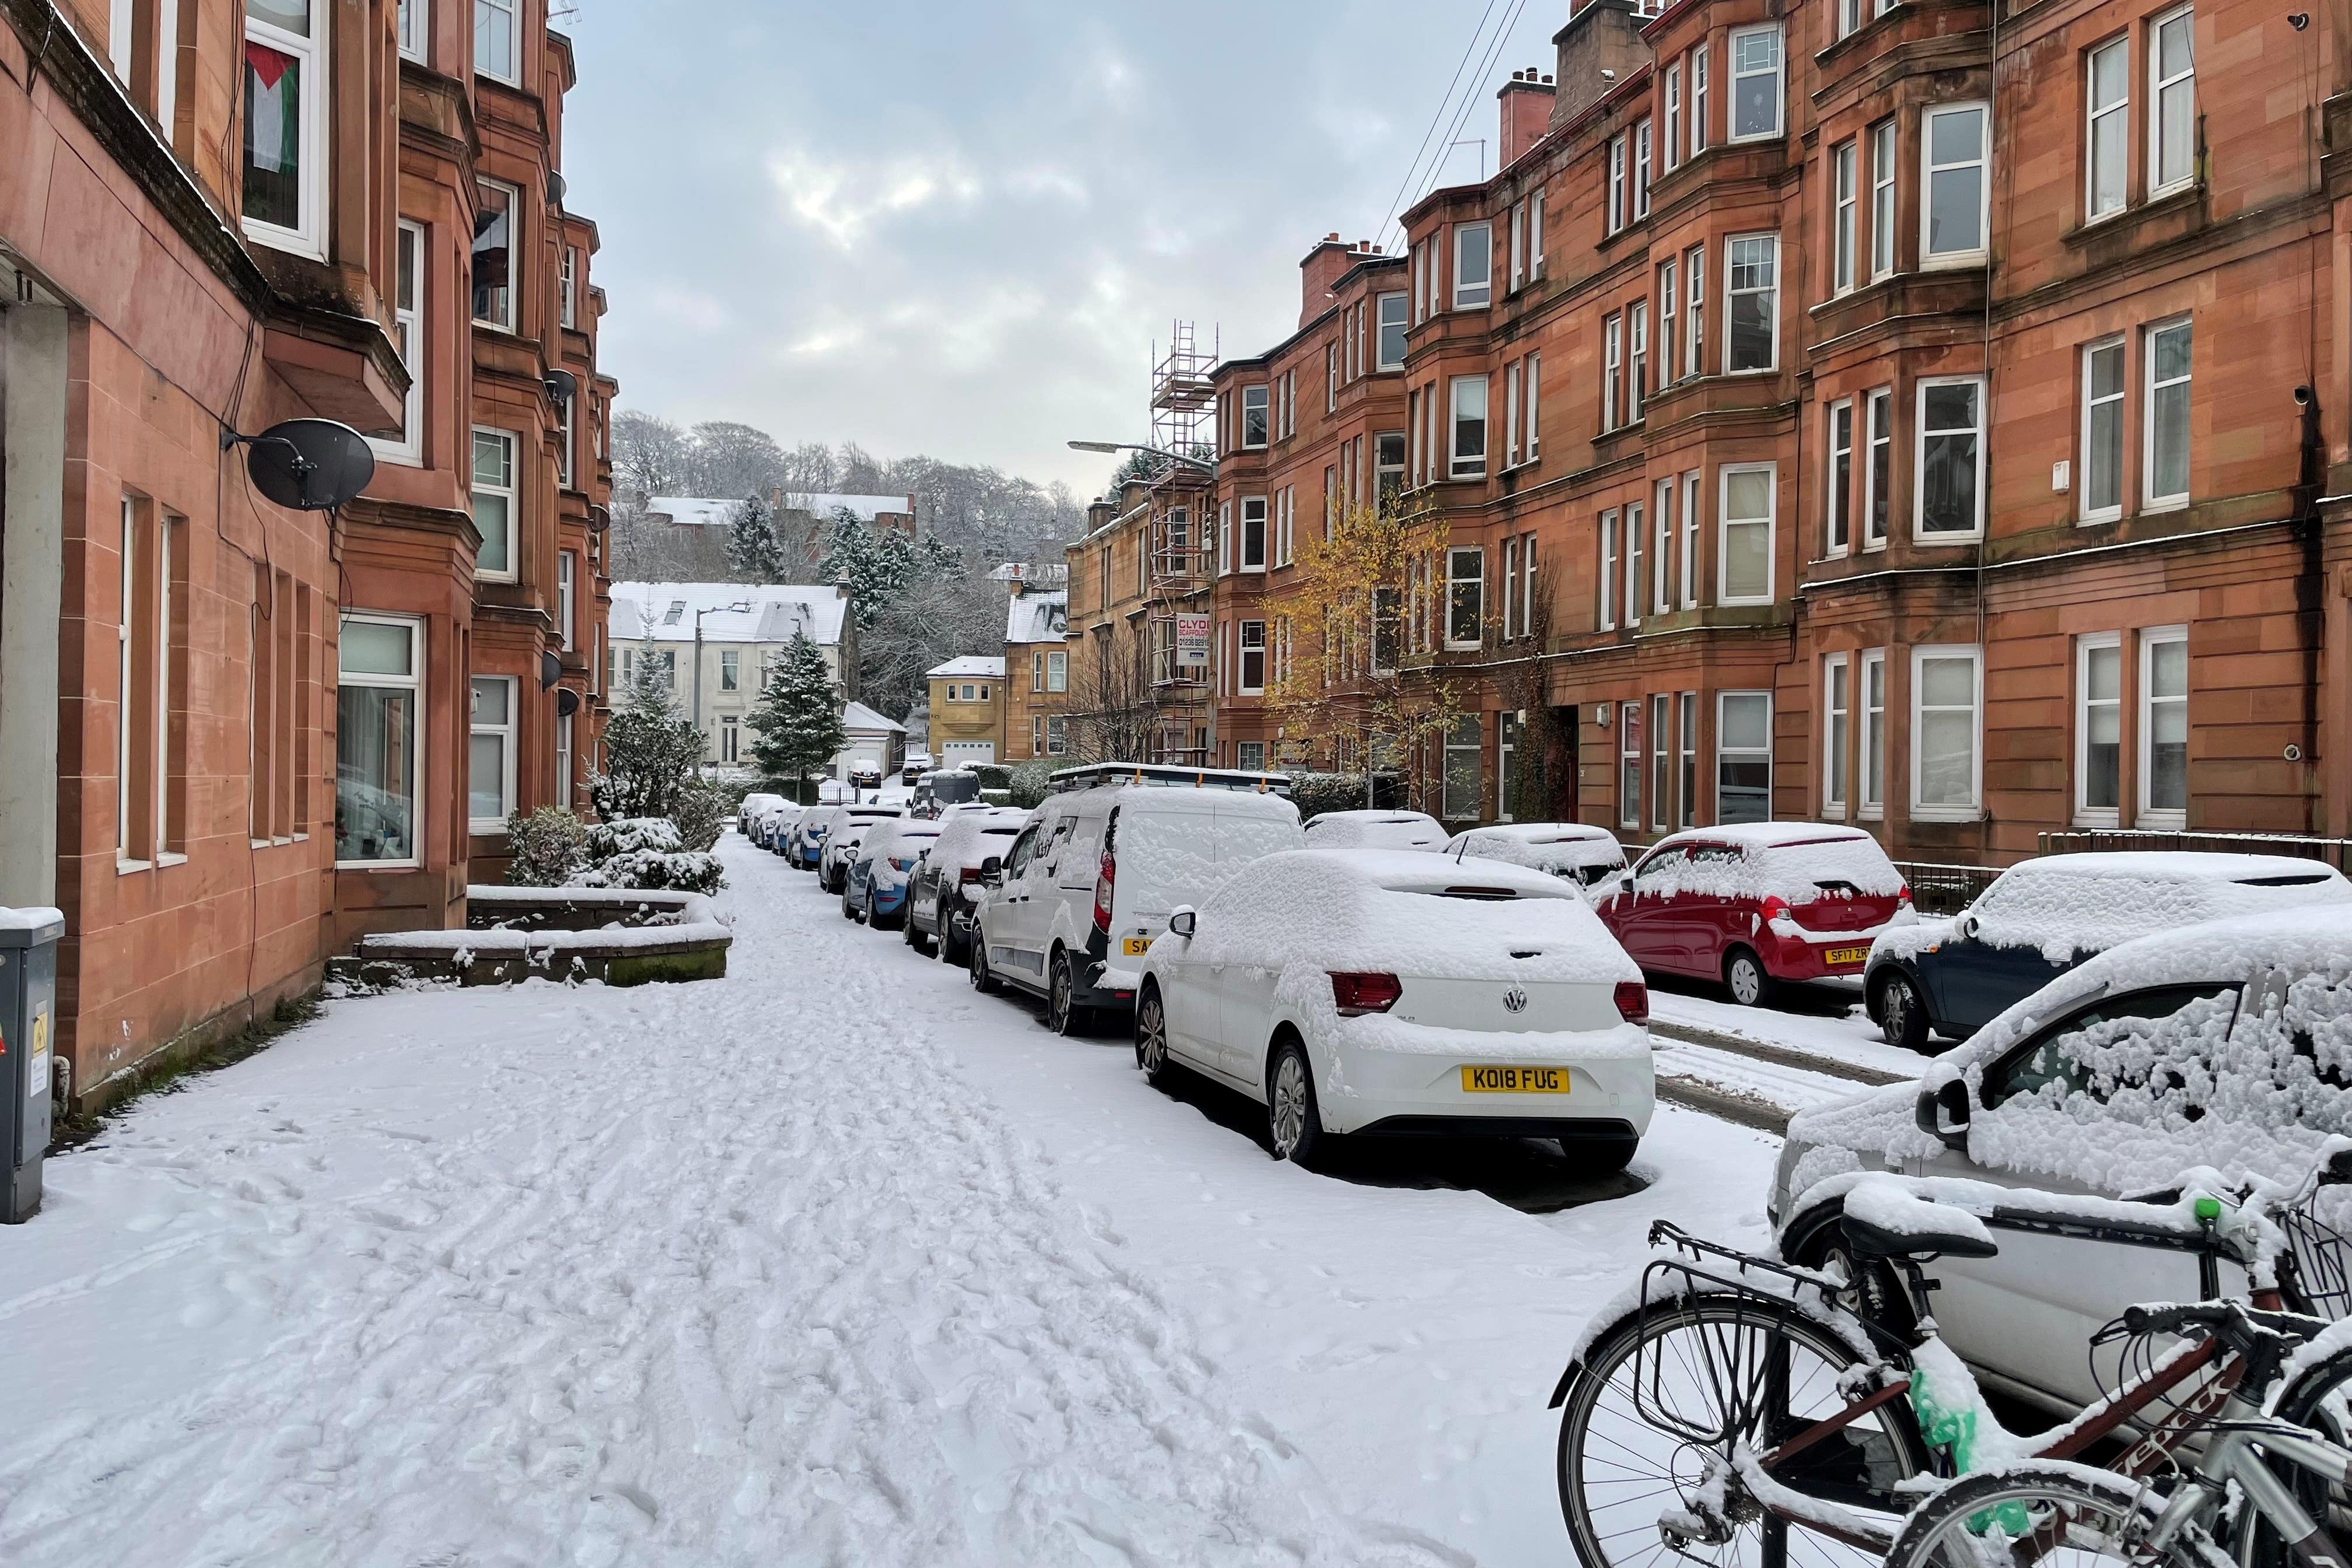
x: 646, y: 852
x: 1029, y: 781
x: 1318, y: 793
x: 700, y: 810
x: 548, y: 844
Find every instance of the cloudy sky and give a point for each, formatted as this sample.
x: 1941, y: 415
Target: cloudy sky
x: 957, y: 229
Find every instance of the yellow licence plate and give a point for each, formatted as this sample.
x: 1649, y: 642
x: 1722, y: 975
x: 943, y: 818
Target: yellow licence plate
x: 1515, y: 1080
x: 1845, y: 956
x: 1130, y: 946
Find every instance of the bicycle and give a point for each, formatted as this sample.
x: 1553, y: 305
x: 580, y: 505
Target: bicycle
x: 1741, y: 1409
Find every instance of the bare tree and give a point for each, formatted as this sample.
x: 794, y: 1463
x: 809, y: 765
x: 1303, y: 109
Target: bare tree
x: 733, y: 461
x: 1113, y: 712
x: 649, y: 454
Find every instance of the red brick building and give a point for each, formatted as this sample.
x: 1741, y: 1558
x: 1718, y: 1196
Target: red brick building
x: 234, y: 735
x: 1909, y: 423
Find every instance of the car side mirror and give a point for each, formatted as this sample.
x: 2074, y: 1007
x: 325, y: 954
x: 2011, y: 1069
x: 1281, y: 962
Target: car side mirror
x: 1181, y: 920
x: 1966, y: 926
x: 1943, y: 1111
x: 991, y: 870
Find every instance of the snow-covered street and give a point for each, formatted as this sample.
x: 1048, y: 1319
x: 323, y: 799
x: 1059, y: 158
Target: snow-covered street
x: 834, y: 1260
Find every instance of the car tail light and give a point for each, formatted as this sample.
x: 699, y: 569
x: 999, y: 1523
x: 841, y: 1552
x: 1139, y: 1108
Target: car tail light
x: 899, y: 864
x: 1105, y: 881
x: 967, y: 874
x: 1358, y: 993
x: 1632, y: 999
x: 1775, y: 908
x: 1902, y: 894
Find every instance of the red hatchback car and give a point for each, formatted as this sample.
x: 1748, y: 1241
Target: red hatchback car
x: 1758, y: 903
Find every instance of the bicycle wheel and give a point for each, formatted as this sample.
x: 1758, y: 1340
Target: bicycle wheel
x: 2321, y: 1399
x: 2046, y: 1515
x: 1658, y: 1398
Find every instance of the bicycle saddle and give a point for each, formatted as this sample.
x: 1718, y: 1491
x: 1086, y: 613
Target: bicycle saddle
x: 1886, y: 1218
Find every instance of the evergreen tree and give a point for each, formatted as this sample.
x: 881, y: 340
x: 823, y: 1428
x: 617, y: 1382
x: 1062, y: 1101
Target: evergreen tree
x: 796, y: 723
x: 879, y: 563
x: 752, y: 550
x: 651, y: 750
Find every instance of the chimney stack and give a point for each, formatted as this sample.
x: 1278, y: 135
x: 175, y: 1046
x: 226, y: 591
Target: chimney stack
x: 1526, y: 104
x: 1317, y: 273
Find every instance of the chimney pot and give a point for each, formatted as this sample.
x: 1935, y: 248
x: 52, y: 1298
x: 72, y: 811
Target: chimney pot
x: 1546, y: 76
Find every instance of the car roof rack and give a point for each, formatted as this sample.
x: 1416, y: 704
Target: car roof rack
x: 1163, y: 775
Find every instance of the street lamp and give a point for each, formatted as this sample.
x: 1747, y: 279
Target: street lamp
x: 740, y: 606
x: 1115, y: 447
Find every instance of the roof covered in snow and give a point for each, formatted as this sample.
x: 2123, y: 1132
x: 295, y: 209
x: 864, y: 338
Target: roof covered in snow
x: 973, y: 664
x: 695, y: 511
x: 856, y: 717
x: 865, y: 508
x: 1037, y: 616
x: 664, y: 612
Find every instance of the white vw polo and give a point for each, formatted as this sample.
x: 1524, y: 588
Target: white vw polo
x: 1368, y: 991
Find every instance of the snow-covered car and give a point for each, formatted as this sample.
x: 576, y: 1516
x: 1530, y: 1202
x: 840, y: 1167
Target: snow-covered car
x: 1375, y: 830
x: 1758, y: 903
x: 754, y: 803
x: 940, y: 897
x: 2225, y: 1045
x: 805, y: 838
x: 1392, y: 992
x: 1089, y: 882
x: 875, y: 887
x: 1951, y: 976
x: 944, y: 787
x: 770, y: 826
x: 1573, y: 851
x: 844, y: 833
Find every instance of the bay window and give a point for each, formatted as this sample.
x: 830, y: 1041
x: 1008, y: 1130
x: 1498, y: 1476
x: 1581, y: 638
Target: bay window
x: 1754, y: 82
x: 1460, y: 774
x: 1744, y: 536
x: 1671, y: 129
x: 566, y: 579
x: 1392, y: 332
x: 1634, y: 536
x: 1255, y: 426
x: 1879, y: 472
x: 1253, y: 658
x: 1694, y: 334
x: 1752, y: 303
x: 495, y: 42
x: 408, y: 340
x: 1612, y: 354
x: 1535, y: 430
x: 1837, y: 763
x: 491, y: 759
x: 1466, y: 595
x: 1840, y: 479
x: 1686, y: 741
x: 1874, y: 734
x: 1642, y: 170
x: 1953, y: 149
x: 1469, y: 395
x: 1607, y: 614
x: 415, y: 29
x: 1950, y: 457
x: 1629, y: 765
x: 494, y: 503
x: 1882, y: 200
x: 284, y: 185
x: 1252, y: 558
x: 1637, y: 343
x: 1474, y: 266
x: 1843, y: 161
x: 494, y: 247
x: 1690, y: 541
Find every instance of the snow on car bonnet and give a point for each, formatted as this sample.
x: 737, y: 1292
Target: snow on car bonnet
x: 1775, y: 860
x: 1389, y: 909
x: 2067, y: 904
x: 2247, y: 1067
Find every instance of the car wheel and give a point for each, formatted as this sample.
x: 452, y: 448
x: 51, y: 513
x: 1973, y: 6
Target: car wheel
x: 1600, y: 1156
x: 848, y: 910
x: 873, y: 915
x: 952, y: 950
x: 1062, y: 1014
x: 1744, y: 973
x: 1293, y: 1123
x: 982, y: 979
x: 1152, y: 1037
x: 1902, y: 1013
x: 914, y: 934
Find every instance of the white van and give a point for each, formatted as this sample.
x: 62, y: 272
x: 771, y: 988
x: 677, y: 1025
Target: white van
x: 1074, y: 905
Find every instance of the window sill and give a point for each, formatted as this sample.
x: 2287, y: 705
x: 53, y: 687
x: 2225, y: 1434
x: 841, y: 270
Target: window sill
x: 1869, y: 813
x: 2099, y: 519
x: 480, y: 829
x: 124, y: 867
x: 2162, y: 821
x: 2156, y: 204
x: 1958, y: 261
x: 1932, y: 540
x: 2172, y: 503
x: 170, y: 857
x: 2097, y: 820
x: 1951, y: 813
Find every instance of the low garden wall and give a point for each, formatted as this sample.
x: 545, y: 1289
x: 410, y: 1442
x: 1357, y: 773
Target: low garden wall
x: 622, y: 937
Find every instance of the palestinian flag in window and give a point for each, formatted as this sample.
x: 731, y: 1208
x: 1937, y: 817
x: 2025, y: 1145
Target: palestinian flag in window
x: 273, y: 135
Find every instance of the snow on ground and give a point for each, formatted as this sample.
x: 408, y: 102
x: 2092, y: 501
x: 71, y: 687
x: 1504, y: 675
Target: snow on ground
x: 1824, y: 1020
x: 832, y: 1260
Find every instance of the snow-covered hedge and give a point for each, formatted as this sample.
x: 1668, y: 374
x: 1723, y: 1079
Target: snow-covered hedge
x: 646, y: 852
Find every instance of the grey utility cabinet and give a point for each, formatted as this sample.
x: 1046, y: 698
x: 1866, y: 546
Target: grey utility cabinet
x: 29, y: 1009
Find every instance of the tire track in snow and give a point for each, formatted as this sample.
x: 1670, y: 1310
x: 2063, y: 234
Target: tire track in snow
x: 752, y: 1276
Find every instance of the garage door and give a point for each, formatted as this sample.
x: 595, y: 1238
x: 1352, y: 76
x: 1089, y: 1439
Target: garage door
x: 952, y: 752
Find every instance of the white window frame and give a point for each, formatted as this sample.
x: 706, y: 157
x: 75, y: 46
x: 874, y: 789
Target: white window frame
x: 508, y: 734
x: 1612, y: 357
x: 414, y: 683
x: 1261, y: 394
x: 1722, y: 755
x: 1870, y: 703
x: 1671, y: 132
x: 1330, y: 378
x: 1941, y: 811
x: 1465, y: 579
x: 1527, y: 583
x: 1383, y: 323
x: 1458, y: 464
x: 2112, y: 120
x: 1629, y: 765
x: 1510, y: 587
x: 1616, y: 214
x: 1264, y: 520
x: 1535, y: 429
x: 1723, y: 523
x: 512, y: 11
x: 1846, y: 160
x: 731, y: 670
x: 1637, y: 359
x: 1058, y: 730
x: 1779, y: 73
x: 2086, y: 814
x: 564, y: 791
x: 2149, y: 386
x: 563, y: 441
x: 1919, y: 434
x: 1699, y: 101
x: 1883, y: 157
x: 126, y: 644
x: 1511, y: 374
x: 512, y: 492
x: 2158, y: 84
x: 1972, y: 256
x: 1877, y: 432
x: 1641, y: 164
x: 568, y: 287
x: 1058, y: 670
x: 1608, y: 533
x: 1691, y: 519
x: 416, y: 31
x: 514, y: 256
x: 1518, y: 246
x: 2083, y: 511
x: 567, y: 576
x: 1837, y: 724
x: 1686, y: 756
x: 1669, y: 297
x: 1695, y: 317
x: 1730, y: 271
x: 1474, y: 294
x: 310, y: 55
x: 408, y: 316
x: 1535, y: 234
x: 1243, y: 648
x: 1633, y: 532
x: 1662, y: 541
x: 2150, y: 639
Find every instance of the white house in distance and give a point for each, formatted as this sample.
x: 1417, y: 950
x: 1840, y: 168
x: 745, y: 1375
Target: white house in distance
x: 744, y: 626
x: 876, y: 741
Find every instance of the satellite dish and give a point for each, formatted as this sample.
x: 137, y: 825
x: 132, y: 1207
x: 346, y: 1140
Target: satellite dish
x: 567, y: 702
x: 562, y: 385
x: 550, y: 669
x: 309, y: 465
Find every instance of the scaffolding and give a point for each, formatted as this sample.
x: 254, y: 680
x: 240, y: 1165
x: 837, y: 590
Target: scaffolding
x: 1180, y: 536
x: 1183, y: 397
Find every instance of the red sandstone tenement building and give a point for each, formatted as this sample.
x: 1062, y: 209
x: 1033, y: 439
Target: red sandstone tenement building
x: 233, y: 736
x: 1854, y: 411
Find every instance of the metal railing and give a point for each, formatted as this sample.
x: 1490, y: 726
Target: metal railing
x: 2078, y: 841
x: 1938, y: 890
